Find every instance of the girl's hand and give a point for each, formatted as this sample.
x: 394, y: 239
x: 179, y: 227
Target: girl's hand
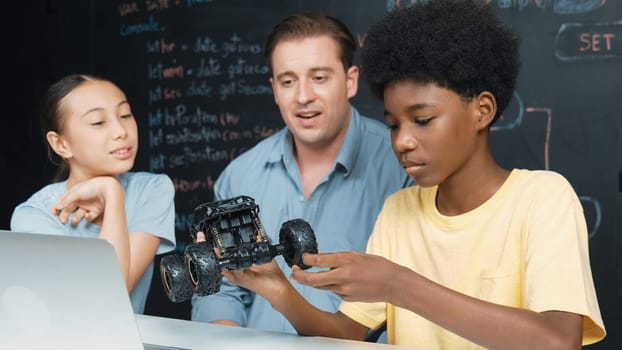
x: 87, y: 200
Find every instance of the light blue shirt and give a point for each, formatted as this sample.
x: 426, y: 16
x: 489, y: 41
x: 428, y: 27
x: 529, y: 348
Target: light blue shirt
x: 149, y: 208
x: 341, y: 210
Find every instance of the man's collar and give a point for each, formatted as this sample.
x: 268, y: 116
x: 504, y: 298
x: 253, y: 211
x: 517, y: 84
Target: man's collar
x: 352, y: 144
x: 348, y: 152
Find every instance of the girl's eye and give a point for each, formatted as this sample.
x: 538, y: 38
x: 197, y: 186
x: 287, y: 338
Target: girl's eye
x: 126, y: 116
x: 97, y: 123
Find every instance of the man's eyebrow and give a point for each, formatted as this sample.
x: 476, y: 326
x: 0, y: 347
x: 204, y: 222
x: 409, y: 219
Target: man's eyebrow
x: 322, y: 69
x: 313, y: 70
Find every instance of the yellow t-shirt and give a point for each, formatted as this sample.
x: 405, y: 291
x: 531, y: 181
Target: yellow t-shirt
x: 526, y: 247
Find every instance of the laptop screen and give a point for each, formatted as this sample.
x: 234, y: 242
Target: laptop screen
x: 60, y: 292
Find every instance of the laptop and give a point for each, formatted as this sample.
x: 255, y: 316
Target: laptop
x: 61, y: 292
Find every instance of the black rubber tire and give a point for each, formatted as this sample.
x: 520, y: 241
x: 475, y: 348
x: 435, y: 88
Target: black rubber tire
x: 175, y: 278
x: 203, y: 268
x: 297, y: 237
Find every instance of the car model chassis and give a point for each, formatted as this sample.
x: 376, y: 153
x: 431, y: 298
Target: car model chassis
x: 233, y: 227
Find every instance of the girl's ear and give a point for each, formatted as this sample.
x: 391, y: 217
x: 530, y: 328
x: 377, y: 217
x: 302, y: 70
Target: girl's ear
x: 58, y: 144
x: 487, y: 108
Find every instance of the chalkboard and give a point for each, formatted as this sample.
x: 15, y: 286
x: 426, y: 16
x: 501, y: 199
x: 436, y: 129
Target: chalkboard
x: 195, y: 76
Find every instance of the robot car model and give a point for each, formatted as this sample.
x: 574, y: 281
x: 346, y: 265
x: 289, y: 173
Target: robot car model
x: 233, y: 227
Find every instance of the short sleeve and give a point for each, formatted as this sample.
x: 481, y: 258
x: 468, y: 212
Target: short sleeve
x: 32, y: 219
x: 222, y: 186
x: 557, y: 274
x: 153, y: 210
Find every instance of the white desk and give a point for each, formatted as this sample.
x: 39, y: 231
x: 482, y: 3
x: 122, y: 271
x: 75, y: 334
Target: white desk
x: 198, y: 336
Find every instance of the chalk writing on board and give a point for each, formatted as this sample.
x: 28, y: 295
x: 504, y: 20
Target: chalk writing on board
x: 547, y: 139
x: 572, y: 7
x: 592, y: 203
x: 593, y: 41
x: 512, y: 116
x: 562, y: 7
x: 149, y: 26
x: 131, y: 7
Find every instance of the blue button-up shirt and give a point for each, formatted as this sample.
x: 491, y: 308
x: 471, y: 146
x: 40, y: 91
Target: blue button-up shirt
x: 341, y: 210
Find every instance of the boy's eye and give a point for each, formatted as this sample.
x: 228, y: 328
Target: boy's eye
x: 392, y: 126
x: 422, y: 121
x: 97, y: 123
x: 126, y: 116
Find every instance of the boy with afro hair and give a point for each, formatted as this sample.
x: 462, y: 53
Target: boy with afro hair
x: 473, y: 256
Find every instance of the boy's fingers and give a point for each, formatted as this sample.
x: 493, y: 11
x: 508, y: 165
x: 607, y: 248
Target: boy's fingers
x: 330, y: 260
x: 312, y: 279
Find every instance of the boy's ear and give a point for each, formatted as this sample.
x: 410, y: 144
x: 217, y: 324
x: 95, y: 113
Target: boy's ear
x: 486, y: 105
x: 58, y: 144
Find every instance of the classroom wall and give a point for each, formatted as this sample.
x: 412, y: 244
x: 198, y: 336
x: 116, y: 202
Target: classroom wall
x: 194, y: 73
